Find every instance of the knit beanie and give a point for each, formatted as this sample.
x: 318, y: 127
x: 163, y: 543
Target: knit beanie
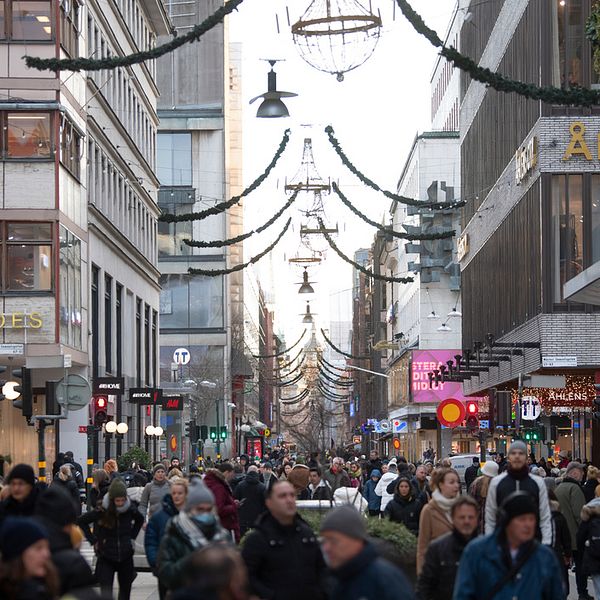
x: 22, y: 471
x: 56, y: 505
x: 18, y: 534
x: 117, y: 489
x: 517, y: 504
x: 158, y: 467
x: 198, y: 493
x: 346, y: 520
x: 518, y: 446
x: 574, y: 465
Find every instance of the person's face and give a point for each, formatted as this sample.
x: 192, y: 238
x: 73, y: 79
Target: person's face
x: 384, y: 468
x: 314, y: 478
x: 36, y: 558
x: 375, y: 478
x: 160, y: 475
x: 201, y: 509
x: 229, y: 475
x: 175, y: 462
x: 282, y: 502
x: 450, y: 486
x: 354, y: 467
x: 178, y: 493
x: 19, y: 489
x: 464, y: 520
x: 336, y: 466
x: 120, y: 501
x: 576, y: 474
x: 517, y: 459
x: 521, y: 529
x: 339, y: 548
x: 373, y: 454
x: 287, y: 469
x: 404, y: 488
x: 421, y: 474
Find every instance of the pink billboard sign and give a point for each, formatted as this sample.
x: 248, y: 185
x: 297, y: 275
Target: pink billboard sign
x: 424, y: 361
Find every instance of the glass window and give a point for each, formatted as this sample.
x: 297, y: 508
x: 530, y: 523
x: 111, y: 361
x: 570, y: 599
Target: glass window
x: 2, y: 22
x: 69, y: 24
x: 31, y: 20
x: 194, y: 302
x: 70, y: 148
x: 595, y: 218
x: 17, y: 232
x: 171, y: 235
x: 174, y: 159
x: 70, y: 288
x: 28, y: 135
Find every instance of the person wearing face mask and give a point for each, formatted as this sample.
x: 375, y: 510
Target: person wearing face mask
x: 171, y: 505
x: 196, y: 526
x: 406, y: 505
x: 116, y: 525
x: 26, y: 569
x: 436, y: 516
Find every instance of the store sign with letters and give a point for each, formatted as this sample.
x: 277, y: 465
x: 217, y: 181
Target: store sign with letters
x: 145, y: 396
x: 21, y: 320
x: 109, y: 385
x: 526, y: 159
x: 172, y: 402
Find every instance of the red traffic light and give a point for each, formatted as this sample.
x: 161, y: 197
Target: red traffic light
x: 472, y: 408
x: 101, y: 402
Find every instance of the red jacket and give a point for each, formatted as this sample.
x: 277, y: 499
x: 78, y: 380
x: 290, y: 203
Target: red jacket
x: 226, y: 505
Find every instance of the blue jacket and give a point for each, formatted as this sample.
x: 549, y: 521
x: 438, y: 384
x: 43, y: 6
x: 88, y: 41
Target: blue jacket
x: 369, y: 577
x: 369, y: 491
x: 156, y: 529
x: 483, y: 563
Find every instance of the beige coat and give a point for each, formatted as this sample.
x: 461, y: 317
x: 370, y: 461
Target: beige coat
x: 433, y: 523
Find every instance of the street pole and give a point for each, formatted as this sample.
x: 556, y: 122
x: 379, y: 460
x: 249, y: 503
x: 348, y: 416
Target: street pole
x: 218, y: 431
x: 42, y: 450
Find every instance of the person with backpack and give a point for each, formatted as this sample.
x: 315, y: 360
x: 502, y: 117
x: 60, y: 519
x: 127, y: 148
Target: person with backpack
x: 588, y: 541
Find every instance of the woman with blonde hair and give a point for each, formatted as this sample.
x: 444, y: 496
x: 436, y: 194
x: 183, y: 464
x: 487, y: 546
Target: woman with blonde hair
x: 436, y: 517
x: 100, y: 483
x: 65, y: 480
x: 111, y: 468
x: 592, y: 481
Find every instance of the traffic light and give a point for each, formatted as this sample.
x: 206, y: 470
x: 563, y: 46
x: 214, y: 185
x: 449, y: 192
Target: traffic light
x: 186, y: 429
x: 24, y: 400
x: 193, y: 433
x: 100, y: 408
x: 533, y: 435
x: 213, y: 434
x: 203, y: 432
x: 223, y: 432
x: 596, y: 413
x: 472, y: 420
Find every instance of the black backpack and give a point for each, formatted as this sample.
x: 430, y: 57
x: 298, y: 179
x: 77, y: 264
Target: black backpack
x: 592, y: 542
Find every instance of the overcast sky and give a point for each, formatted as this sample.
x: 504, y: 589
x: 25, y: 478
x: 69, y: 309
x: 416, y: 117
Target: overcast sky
x: 376, y: 112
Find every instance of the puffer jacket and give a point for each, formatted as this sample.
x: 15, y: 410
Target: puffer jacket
x: 224, y: 500
x: 569, y: 494
x: 251, y: 494
x: 485, y: 562
x: 406, y: 510
x: 11, y: 508
x: 369, y: 491
x: 156, y: 529
x: 382, y: 488
x: 589, y: 513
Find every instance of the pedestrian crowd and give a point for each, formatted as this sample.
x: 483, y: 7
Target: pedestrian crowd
x: 232, y: 530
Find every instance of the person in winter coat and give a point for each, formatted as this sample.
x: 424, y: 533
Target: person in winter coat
x: 171, y: 505
x: 67, y: 483
x: 479, y: 489
x: 436, y: 581
x: 57, y: 512
x: 336, y: 476
x: 374, y: 463
x: 371, y: 497
x: 420, y: 482
x: 572, y: 499
x: 383, y: 486
x: 155, y: 491
x: 195, y: 527
x: 318, y: 488
x: 299, y: 477
x: 282, y: 553
x: 23, y: 493
x: 358, y: 572
x: 436, y: 518
x: 355, y: 475
x: 471, y: 473
x: 486, y: 563
x: 591, y: 483
x: 251, y: 496
x: 406, y: 505
x: 588, y: 542
x: 216, y: 480
x: 100, y: 484
x: 517, y: 477
x: 26, y: 569
x: 116, y: 525
x: 561, y: 538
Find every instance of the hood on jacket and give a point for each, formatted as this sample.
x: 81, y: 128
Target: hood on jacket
x: 253, y: 478
x: 215, y: 474
x: 168, y: 506
x: 376, y: 473
x: 591, y: 509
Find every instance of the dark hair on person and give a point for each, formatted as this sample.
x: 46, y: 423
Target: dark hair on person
x: 439, y: 475
x: 465, y: 500
x: 315, y: 470
x: 13, y: 575
x: 271, y: 488
x: 212, y: 569
x: 225, y: 467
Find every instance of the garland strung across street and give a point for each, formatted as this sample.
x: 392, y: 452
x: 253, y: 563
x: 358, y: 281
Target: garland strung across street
x: 295, y: 399
x: 348, y: 383
x: 282, y: 352
x: 331, y: 373
x: 242, y: 266
x: 244, y: 236
x: 223, y: 206
x: 341, y: 351
x: 291, y: 362
x: 330, y: 395
x: 577, y: 96
x: 93, y: 64
x: 357, y: 265
x: 369, y: 182
x: 322, y: 360
x: 397, y: 234
x: 291, y: 381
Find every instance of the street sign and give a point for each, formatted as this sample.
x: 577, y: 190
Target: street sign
x: 67, y: 361
x: 451, y: 412
x: 530, y: 408
x: 181, y: 356
x: 83, y: 429
x: 73, y: 392
x: 385, y: 426
x: 553, y: 362
x: 396, y: 444
x: 267, y: 432
x: 10, y: 349
x: 484, y: 424
x: 545, y: 381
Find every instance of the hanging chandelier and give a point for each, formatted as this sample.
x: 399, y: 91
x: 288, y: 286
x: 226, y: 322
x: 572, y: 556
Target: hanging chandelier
x: 336, y: 36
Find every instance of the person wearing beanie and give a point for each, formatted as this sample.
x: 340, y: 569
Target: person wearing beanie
x: 194, y: 527
x: 479, y: 489
x: 282, y: 552
x: 517, y: 477
x: 510, y: 562
x: 26, y: 571
x: 218, y: 481
x: 356, y: 568
x: 155, y: 491
x: 571, y: 499
x: 116, y: 525
x: 23, y: 493
x: 57, y: 512
x: 406, y: 505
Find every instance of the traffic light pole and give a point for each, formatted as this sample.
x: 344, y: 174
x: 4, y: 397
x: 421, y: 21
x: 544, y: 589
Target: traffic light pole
x: 218, y: 444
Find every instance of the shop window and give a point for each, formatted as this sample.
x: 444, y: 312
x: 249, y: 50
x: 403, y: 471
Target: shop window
x: 70, y: 288
x: 26, y: 257
x: 31, y: 20
x: 69, y: 27
x: 28, y: 135
x: 70, y: 148
x: 174, y: 159
x: 595, y: 220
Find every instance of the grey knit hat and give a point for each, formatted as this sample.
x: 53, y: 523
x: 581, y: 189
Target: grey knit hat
x: 574, y: 465
x: 519, y: 446
x: 346, y: 520
x: 198, y: 493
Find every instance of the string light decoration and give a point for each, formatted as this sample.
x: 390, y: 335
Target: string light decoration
x: 346, y: 354
x: 578, y: 393
x: 336, y: 36
x: 296, y: 399
x: 282, y: 352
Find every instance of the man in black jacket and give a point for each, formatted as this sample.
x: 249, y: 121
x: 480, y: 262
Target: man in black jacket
x: 471, y: 473
x: 318, y: 488
x: 282, y: 553
x: 251, y: 494
x: 436, y: 581
x: 22, y: 493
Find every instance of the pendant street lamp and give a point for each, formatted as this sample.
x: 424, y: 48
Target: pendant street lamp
x: 306, y: 287
x: 272, y: 107
x: 308, y: 318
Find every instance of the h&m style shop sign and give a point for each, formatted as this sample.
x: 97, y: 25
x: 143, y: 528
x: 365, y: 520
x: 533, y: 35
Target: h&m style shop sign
x: 155, y: 397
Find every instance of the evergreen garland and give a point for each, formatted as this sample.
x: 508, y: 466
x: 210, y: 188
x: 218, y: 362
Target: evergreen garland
x: 360, y: 267
x: 291, y: 381
x: 97, y: 64
x: 369, y: 182
x: 348, y: 383
x: 397, y: 234
x: 296, y: 399
x: 576, y: 96
x: 241, y: 267
x: 340, y: 376
x: 283, y: 352
x: 300, y: 364
x: 331, y: 395
x: 291, y: 362
x: 330, y: 365
x: 341, y: 351
x: 222, y: 206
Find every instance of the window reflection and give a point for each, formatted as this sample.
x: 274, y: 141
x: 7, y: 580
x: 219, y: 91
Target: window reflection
x: 28, y: 135
x: 174, y: 159
x: 31, y: 20
x: 171, y: 235
x: 595, y: 212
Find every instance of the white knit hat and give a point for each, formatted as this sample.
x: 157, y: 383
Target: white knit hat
x: 490, y: 468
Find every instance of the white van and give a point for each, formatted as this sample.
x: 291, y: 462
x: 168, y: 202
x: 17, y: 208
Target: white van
x: 462, y: 461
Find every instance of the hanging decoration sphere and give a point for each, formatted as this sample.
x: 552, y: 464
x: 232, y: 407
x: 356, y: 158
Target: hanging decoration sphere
x: 336, y: 36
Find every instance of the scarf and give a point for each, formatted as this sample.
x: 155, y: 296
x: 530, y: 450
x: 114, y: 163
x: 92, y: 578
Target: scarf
x: 194, y: 535
x: 444, y: 503
x: 119, y: 509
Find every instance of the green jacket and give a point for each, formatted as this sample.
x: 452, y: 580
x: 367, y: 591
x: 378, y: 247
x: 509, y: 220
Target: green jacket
x: 571, y: 499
